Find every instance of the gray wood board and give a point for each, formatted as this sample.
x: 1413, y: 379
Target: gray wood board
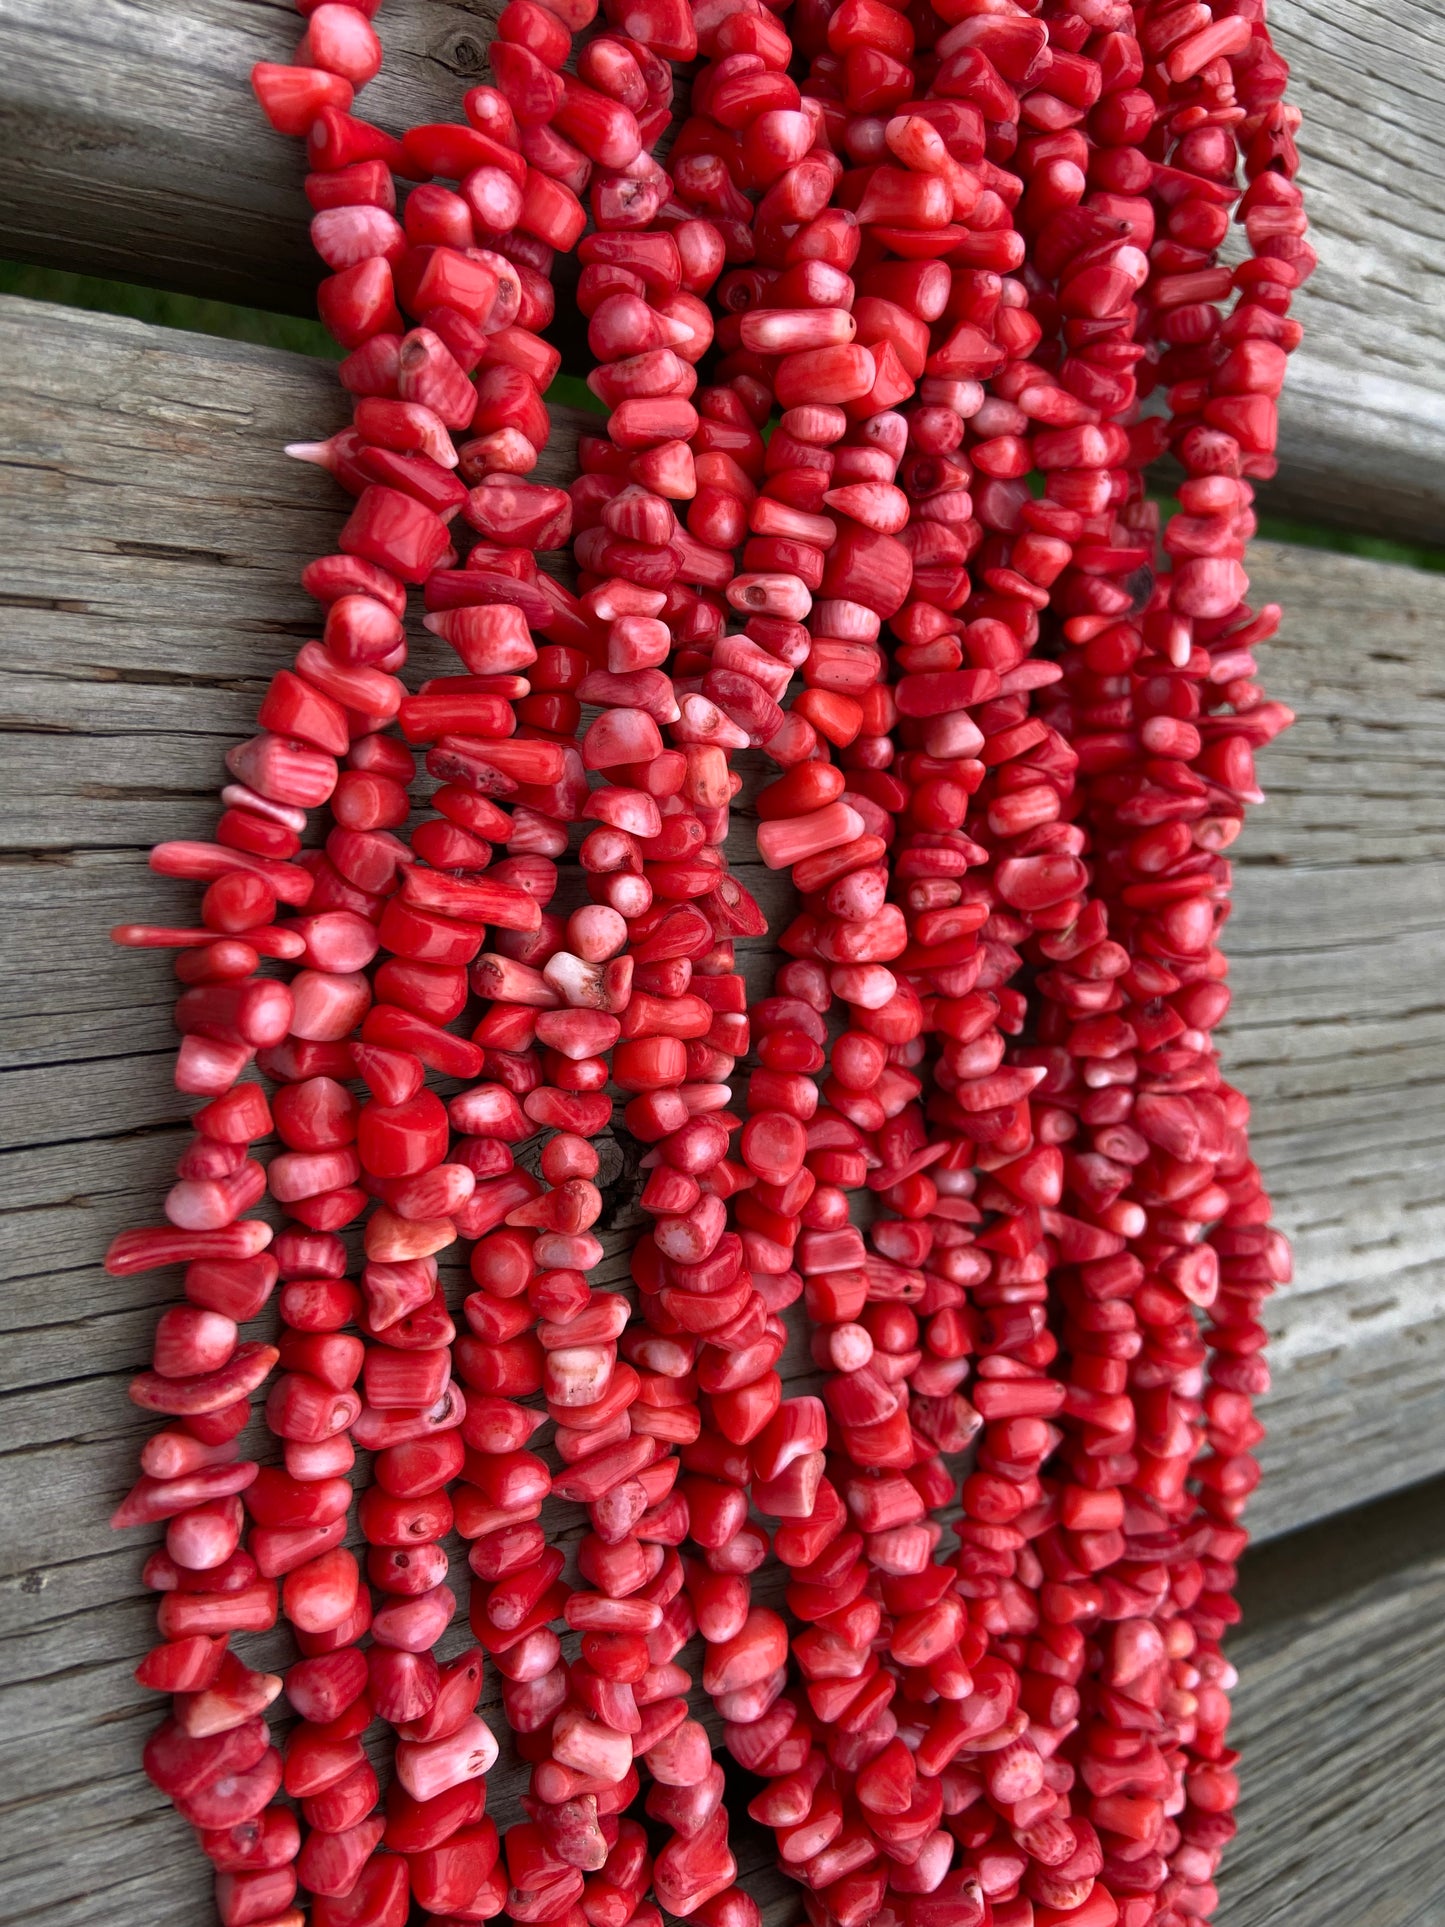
x: 1337, y: 1715
x: 148, y: 583
x: 149, y: 630
x: 1362, y: 421
x: 1339, y: 1721
x: 131, y: 146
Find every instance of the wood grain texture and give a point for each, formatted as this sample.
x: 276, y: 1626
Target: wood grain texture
x: 1339, y: 1721
x: 148, y: 585
x: 130, y: 145
x: 1338, y: 1031
x: 1362, y: 422
x: 153, y: 653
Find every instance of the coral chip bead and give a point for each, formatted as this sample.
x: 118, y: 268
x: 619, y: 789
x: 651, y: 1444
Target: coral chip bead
x: 399, y: 1140
x: 341, y: 40
x: 773, y: 1146
x: 317, y: 1114
x: 759, y: 1649
x: 323, y: 1592
x: 380, y: 1897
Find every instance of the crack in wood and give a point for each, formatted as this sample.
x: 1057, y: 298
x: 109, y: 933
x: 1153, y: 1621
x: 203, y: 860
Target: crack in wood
x: 55, y: 605
x: 177, y: 552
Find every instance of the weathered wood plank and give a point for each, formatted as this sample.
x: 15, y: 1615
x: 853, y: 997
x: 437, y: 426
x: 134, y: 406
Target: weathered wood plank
x: 1362, y: 423
x: 130, y: 145
x: 1340, y: 1725
x: 1341, y: 903
x: 1342, y: 884
x: 1336, y: 1715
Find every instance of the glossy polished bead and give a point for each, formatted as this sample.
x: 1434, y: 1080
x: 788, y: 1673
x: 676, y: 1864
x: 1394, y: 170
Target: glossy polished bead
x: 399, y: 1140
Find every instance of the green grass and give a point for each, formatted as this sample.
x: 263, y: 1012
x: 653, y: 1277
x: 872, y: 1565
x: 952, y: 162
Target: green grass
x: 214, y: 318
x: 168, y: 310
x: 570, y: 391
x: 310, y: 338
x: 1306, y: 535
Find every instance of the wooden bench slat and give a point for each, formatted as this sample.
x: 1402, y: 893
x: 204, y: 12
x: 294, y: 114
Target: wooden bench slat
x: 159, y: 658
x: 143, y: 456
x: 131, y: 146
x: 1360, y: 450
x: 1362, y: 424
x: 1336, y: 1715
x: 1338, y: 1719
